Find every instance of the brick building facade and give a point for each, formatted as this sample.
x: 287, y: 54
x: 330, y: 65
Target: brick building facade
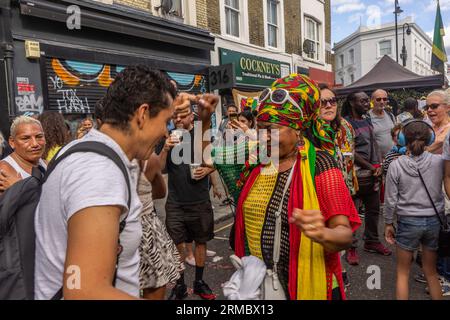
x: 269, y: 32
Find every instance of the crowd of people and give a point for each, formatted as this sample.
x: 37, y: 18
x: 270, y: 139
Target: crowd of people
x: 296, y: 217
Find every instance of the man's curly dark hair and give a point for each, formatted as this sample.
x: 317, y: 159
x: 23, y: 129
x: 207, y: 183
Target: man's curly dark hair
x: 55, y: 130
x: 134, y: 86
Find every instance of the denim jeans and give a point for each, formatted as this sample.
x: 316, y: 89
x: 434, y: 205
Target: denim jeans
x: 415, y: 231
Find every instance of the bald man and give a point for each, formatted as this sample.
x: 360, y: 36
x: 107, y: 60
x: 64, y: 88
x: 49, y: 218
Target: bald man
x: 383, y: 121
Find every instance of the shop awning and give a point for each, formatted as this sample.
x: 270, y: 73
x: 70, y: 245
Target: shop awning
x: 129, y: 22
x: 322, y: 76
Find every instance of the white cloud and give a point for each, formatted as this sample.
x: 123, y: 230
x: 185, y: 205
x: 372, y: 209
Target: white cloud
x: 390, y: 3
x: 373, y: 16
x: 346, y: 6
x: 445, y: 5
x: 355, y: 18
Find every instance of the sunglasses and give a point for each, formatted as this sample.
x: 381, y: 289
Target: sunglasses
x: 280, y: 97
x: 331, y: 101
x: 381, y: 99
x: 364, y: 100
x: 433, y: 106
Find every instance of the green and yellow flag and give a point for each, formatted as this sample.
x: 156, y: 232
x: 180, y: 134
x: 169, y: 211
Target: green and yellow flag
x: 439, y: 57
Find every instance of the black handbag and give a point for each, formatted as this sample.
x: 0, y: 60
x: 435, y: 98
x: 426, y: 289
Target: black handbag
x: 444, y: 232
x: 366, y: 181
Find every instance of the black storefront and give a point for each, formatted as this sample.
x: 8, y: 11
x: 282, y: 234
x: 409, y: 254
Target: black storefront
x: 75, y: 66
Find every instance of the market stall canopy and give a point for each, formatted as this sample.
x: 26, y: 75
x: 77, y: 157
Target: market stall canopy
x: 389, y: 75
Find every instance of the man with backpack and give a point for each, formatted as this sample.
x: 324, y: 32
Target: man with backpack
x: 85, y: 198
x: 87, y: 220
x: 383, y: 121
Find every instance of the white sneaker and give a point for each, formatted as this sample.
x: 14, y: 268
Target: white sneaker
x: 210, y: 253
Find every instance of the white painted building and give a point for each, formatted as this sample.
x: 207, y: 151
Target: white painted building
x: 313, y: 26
x: 357, y: 54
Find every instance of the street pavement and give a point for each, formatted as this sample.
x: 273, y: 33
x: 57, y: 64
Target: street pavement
x: 219, y: 269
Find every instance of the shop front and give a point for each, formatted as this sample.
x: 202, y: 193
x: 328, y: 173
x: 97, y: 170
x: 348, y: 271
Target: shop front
x: 252, y: 74
x: 50, y: 67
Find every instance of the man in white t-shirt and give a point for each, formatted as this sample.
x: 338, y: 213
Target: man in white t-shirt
x: 85, y: 197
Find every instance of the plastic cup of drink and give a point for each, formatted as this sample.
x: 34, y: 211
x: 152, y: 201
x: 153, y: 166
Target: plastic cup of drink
x: 193, y: 167
x: 178, y: 134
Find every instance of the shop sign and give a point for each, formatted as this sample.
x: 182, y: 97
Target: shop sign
x: 252, y: 70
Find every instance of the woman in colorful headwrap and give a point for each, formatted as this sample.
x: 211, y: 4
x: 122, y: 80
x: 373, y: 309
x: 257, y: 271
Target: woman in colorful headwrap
x: 318, y: 215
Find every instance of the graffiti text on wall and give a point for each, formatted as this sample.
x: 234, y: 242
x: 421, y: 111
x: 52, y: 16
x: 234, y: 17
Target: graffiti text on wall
x: 69, y: 101
x: 30, y: 103
x: 27, y: 101
x: 75, y: 87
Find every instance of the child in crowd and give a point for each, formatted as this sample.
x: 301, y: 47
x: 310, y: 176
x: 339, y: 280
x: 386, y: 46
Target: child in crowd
x: 408, y: 179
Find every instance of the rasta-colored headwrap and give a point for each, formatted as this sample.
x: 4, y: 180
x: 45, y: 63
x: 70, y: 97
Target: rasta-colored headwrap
x: 306, y: 93
x: 302, y: 90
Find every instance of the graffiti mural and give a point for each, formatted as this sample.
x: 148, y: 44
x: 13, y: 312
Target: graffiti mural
x: 75, y: 86
x: 29, y: 104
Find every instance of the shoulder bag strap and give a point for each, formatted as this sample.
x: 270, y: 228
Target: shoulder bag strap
x: 431, y: 200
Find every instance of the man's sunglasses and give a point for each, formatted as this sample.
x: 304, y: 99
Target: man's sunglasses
x: 381, y: 99
x: 331, y: 101
x: 433, y: 106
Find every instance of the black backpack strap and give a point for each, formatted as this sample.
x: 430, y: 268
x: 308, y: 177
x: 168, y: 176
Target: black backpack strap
x: 95, y: 147
x: 102, y: 149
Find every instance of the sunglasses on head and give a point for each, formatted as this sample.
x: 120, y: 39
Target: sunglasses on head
x: 433, y: 106
x: 381, y: 99
x: 331, y: 101
x: 280, y: 97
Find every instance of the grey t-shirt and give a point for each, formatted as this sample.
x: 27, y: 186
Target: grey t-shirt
x: 382, y: 127
x: 80, y: 181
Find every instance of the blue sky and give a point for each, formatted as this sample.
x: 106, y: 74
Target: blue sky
x: 348, y: 14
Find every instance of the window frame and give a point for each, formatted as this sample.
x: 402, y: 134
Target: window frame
x: 271, y: 24
x: 280, y: 25
x: 379, y: 48
x: 317, y: 42
x: 243, y: 22
x: 238, y: 11
x: 182, y: 14
x: 351, y: 54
